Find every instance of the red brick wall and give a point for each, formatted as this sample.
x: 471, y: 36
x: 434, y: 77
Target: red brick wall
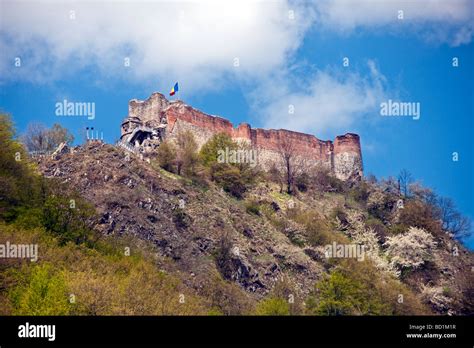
x: 305, y: 144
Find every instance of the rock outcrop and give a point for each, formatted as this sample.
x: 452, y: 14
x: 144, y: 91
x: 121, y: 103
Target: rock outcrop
x: 155, y: 119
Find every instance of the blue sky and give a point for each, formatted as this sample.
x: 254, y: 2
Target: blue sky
x: 288, y: 53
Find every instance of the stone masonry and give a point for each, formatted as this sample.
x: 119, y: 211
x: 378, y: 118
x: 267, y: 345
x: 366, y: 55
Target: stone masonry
x: 155, y: 119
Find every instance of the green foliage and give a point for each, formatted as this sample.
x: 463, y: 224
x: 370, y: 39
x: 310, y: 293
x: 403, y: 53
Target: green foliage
x: 273, y: 306
x: 230, y: 178
x: 317, y: 228
x: 336, y: 295
x: 210, y: 150
x: 357, y: 288
x: 68, y: 219
x: 19, y: 184
x: 43, y: 293
x: 226, y: 297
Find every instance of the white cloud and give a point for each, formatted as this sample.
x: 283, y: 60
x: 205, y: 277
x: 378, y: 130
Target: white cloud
x: 164, y: 39
x: 196, y: 42
x: 440, y: 21
x: 325, y: 103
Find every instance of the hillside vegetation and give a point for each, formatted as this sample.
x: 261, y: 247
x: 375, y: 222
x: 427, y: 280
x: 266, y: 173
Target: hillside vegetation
x: 187, y: 235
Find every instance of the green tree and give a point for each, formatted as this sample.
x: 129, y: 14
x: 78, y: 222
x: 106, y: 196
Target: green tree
x: 19, y: 183
x: 210, y: 150
x: 68, y: 218
x: 44, y: 293
x: 336, y: 295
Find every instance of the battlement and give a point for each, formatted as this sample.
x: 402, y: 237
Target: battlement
x: 151, y: 121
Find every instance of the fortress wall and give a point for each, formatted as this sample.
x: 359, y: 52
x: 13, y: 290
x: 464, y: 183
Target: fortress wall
x: 343, y: 157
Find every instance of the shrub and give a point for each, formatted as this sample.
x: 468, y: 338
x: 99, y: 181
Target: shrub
x: 43, y: 293
x: 336, y: 295
x: 360, y: 192
x: 167, y: 156
x: 377, y: 226
x: 229, y: 178
x: 186, y: 155
x: 252, y: 207
x: 181, y: 219
x: 20, y: 186
x: 357, y: 288
x: 273, y: 306
x: 418, y: 214
x: 302, y: 182
x: 69, y: 223
x: 317, y: 228
x: 323, y: 181
x: 397, y: 229
x: 210, y: 150
x: 223, y: 256
x: 226, y: 297
x: 380, y: 205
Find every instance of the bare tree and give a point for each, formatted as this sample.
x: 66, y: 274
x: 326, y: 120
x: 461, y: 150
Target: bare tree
x: 39, y: 138
x: 186, y: 155
x: 36, y: 137
x: 453, y: 221
x: 404, y: 180
x: 293, y: 164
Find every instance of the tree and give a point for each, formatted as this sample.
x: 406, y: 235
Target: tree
x: 19, y: 183
x: 292, y: 163
x: 210, y: 150
x: 39, y: 138
x: 404, y: 180
x: 44, y: 293
x: 337, y: 294
x: 410, y: 249
x: 166, y: 155
x: 276, y: 176
x: 58, y: 135
x: 453, y: 221
x: 186, y: 155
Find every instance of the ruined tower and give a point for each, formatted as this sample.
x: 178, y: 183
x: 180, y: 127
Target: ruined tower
x: 152, y: 120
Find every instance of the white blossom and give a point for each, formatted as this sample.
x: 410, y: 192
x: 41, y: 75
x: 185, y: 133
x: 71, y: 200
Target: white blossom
x: 410, y: 249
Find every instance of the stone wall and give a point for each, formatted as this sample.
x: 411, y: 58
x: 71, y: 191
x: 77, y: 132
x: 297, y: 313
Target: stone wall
x: 343, y: 157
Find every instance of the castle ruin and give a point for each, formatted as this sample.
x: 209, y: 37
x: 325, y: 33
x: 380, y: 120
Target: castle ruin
x: 151, y: 121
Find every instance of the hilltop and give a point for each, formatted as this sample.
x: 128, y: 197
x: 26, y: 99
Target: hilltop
x: 181, y: 233
x: 269, y: 237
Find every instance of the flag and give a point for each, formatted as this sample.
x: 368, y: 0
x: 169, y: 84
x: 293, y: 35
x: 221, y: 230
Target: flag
x: 174, y: 89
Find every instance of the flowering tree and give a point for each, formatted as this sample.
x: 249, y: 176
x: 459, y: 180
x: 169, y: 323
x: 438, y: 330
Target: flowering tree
x: 410, y: 249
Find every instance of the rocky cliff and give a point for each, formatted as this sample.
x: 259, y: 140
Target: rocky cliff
x: 151, y: 121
